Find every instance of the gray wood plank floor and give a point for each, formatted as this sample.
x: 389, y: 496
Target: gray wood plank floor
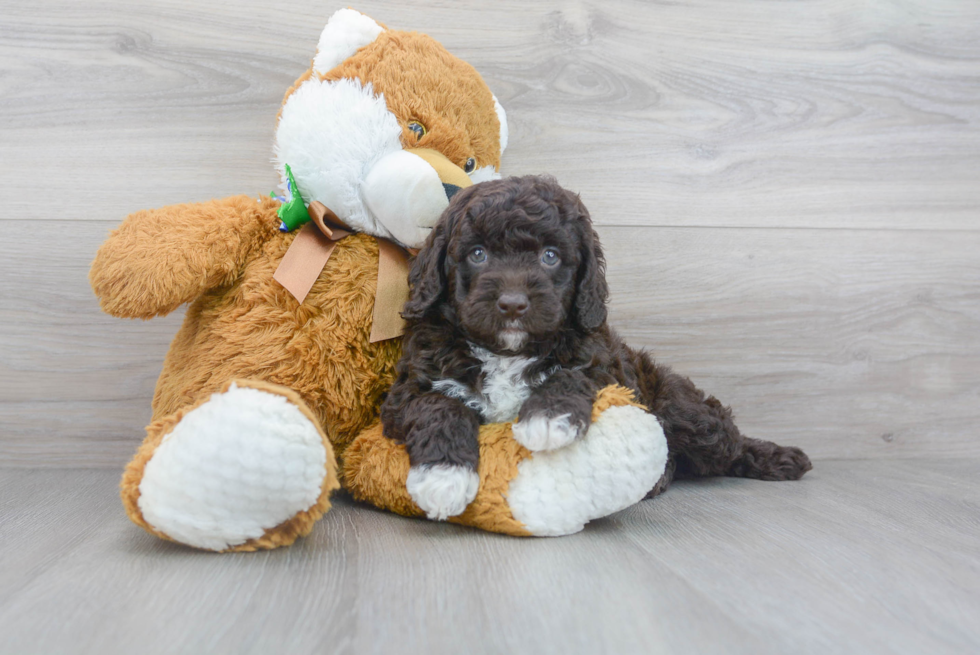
x: 859, y: 557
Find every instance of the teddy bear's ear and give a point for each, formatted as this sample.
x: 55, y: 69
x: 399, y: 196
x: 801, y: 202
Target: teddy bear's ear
x: 346, y: 32
x: 502, y: 117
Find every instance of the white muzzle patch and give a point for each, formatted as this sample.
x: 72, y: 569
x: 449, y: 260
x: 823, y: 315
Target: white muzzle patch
x: 407, y: 193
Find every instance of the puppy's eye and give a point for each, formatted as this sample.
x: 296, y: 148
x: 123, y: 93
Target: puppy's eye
x: 550, y: 257
x: 478, y: 255
x: 469, y: 165
x: 417, y: 128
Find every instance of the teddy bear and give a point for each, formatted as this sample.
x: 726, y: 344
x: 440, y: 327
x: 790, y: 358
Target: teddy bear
x: 269, y: 395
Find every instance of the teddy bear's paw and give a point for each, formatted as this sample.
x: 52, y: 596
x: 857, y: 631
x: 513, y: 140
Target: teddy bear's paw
x: 540, y: 432
x: 243, y: 462
x: 612, y: 466
x: 442, y: 490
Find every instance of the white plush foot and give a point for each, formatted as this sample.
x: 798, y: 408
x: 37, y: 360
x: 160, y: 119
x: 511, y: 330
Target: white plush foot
x: 241, y: 463
x: 617, y: 461
x: 442, y: 490
x: 542, y: 433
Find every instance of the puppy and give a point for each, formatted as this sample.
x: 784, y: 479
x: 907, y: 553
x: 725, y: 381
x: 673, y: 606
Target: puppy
x: 507, y: 320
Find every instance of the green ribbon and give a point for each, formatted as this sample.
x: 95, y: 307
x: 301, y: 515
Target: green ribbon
x: 293, y: 213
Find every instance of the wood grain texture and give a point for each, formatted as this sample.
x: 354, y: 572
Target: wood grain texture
x: 758, y: 113
x: 846, y: 343
x: 858, y: 557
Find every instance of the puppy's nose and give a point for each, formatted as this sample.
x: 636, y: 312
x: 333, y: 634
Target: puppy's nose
x: 512, y: 305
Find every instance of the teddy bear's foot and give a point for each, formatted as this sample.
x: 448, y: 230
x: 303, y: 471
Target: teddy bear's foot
x: 248, y: 468
x: 442, y: 490
x: 617, y: 461
x: 546, y: 493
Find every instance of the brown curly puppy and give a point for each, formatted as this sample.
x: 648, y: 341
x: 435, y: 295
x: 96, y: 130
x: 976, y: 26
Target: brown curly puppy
x: 507, y: 318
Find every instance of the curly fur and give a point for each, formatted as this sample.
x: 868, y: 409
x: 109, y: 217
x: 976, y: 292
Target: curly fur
x: 456, y: 309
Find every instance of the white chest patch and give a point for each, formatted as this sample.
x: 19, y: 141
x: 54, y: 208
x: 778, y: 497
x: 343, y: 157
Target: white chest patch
x: 504, y: 386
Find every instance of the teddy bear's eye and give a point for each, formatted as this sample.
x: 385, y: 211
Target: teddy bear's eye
x: 417, y: 128
x: 469, y: 165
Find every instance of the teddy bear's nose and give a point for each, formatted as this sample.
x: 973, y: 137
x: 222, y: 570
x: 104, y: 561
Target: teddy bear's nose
x: 451, y: 190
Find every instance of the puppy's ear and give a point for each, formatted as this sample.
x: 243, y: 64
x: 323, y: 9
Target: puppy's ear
x: 427, y: 279
x: 591, y: 290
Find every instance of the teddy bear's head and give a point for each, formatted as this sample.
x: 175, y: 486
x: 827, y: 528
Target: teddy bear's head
x: 386, y: 126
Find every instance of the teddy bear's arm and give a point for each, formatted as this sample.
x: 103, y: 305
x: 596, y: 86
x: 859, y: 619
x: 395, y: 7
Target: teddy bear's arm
x: 159, y: 259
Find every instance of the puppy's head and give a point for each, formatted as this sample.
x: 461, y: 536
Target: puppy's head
x: 512, y: 263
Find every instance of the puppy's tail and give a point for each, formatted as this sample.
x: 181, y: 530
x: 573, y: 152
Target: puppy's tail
x: 702, y: 437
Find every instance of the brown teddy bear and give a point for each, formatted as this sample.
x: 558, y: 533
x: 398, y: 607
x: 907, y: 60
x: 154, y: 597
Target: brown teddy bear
x: 287, y: 347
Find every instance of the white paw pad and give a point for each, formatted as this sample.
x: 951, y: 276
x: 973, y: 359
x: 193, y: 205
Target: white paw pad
x: 442, y: 490
x: 542, y: 433
x: 241, y: 463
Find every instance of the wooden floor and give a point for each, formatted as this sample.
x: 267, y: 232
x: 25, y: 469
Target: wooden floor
x: 788, y: 194
x: 860, y: 557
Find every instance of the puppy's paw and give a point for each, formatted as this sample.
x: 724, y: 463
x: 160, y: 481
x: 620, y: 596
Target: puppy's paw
x: 787, y: 463
x: 764, y: 460
x: 540, y: 432
x: 442, y: 490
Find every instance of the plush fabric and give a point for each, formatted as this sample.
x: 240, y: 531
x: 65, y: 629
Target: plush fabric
x: 421, y: 79
x: 250, y: 327
x: 281, y: 534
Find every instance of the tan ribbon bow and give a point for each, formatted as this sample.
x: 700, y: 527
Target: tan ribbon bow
x: 308, y: 254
